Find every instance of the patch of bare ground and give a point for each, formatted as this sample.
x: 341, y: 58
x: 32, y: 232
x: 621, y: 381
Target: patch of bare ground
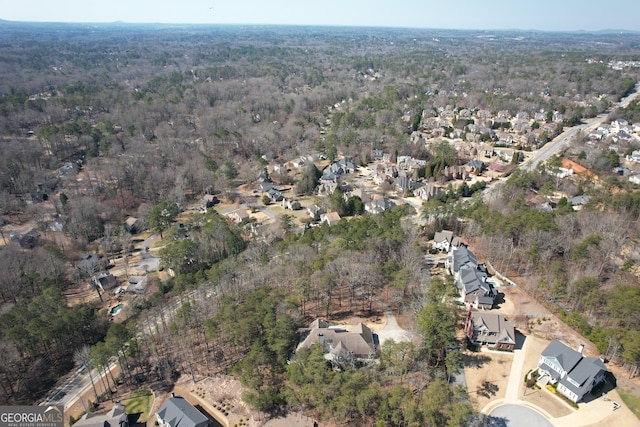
x: 81, y: 293
x: 221, y: 397
x: 487, y: 375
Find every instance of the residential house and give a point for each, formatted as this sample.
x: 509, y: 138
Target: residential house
x: 557, y: 117
x: 265, y: 186
x: 331, y: 218
x: 337, y: 169
x: 491, y: 330
x: 116, y: 417
x: 359, y: 192
x: 471, y: 278
x: 575, y: 374
x: 578, y: 202
x: 238, y: 215
x: 377, y: 154
x: 291, y: 204
x: 504, y: 138
x: 444, y: 240
x: 428, y: 190
x: 137, y: 285
x: 132, y: 225
x: 453, y: 172
x: 403, y: 183
x: 476, y: 166
x: 634, y: 157
x: 378, y: 205
x: 340, y: 344
x: 69, y: 170
x: 391, y: 171
x: 178, y: 412
x: 208, y: 201
x: 28, y: 240
x: 275, y: 195
x: 105, y: 281
x: 315, y: 211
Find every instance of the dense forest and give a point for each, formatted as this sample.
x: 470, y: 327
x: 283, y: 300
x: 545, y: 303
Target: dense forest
x: 100, y: 123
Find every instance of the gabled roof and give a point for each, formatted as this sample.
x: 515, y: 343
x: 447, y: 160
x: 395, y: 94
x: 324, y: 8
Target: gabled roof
x: 357, y: 341
x: 116, y: 417
x: 178, y: 412
x: 461, y: 256
x: 490, y: 322
x: 444, y: 235
x: 566, y: 357
x: 581, y: 371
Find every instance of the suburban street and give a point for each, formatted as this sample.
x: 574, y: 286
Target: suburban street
x: 70, y: 388
x: 561, y: 142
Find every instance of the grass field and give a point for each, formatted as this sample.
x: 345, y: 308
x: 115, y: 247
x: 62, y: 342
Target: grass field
x: 633, y: 402
x: 138, y: 406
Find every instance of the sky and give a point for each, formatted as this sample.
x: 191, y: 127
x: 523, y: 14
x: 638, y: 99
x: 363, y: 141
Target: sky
x: 545, y: 15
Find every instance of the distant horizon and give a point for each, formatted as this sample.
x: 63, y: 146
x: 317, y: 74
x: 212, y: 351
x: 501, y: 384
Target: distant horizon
x: 499, y: 15
x: 239, y: 24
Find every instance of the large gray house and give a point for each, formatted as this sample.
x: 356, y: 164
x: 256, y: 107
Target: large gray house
x: 471, y: 278
x: 178, y: 412
x: 575, y: 374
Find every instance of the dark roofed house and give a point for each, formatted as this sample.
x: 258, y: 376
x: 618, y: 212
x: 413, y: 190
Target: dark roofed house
x: 116, y: 417
x: 471, y: 278
x: 178, y: 412
x: 105, y: 280
x: 575, y: 374
x: 208, y: 201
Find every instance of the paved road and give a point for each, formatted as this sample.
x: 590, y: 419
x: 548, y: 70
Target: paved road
x: 71, y: 387
x: 562, y: 141
x: 516, y: 416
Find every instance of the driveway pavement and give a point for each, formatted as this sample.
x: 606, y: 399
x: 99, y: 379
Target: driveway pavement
x: 392, y: 330
x: 516, y: 416
x: 516, y: 376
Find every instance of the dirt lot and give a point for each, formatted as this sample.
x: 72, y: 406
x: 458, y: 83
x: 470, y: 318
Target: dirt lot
x: 223, y: 394
x: 487, y: 375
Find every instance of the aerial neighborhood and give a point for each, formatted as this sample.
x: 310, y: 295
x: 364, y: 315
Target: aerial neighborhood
x: 245, y: 225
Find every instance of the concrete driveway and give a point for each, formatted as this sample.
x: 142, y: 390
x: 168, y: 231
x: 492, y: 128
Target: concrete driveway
x: 392, y: 330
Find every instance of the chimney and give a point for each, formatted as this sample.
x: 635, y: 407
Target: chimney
x: 580, y: 348
x: 173, y: 394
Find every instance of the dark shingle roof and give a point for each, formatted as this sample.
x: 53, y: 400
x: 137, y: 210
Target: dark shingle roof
x: 178, y: 412
x: 567, y: 357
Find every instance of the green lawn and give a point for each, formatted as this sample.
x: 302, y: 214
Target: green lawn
x: 632, y: 401
x: 138, y: 406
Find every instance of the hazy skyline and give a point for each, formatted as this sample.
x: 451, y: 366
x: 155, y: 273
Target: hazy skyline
x: 546, y: 15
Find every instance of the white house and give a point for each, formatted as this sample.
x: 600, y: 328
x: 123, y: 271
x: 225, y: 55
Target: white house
x: 575, y: 374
